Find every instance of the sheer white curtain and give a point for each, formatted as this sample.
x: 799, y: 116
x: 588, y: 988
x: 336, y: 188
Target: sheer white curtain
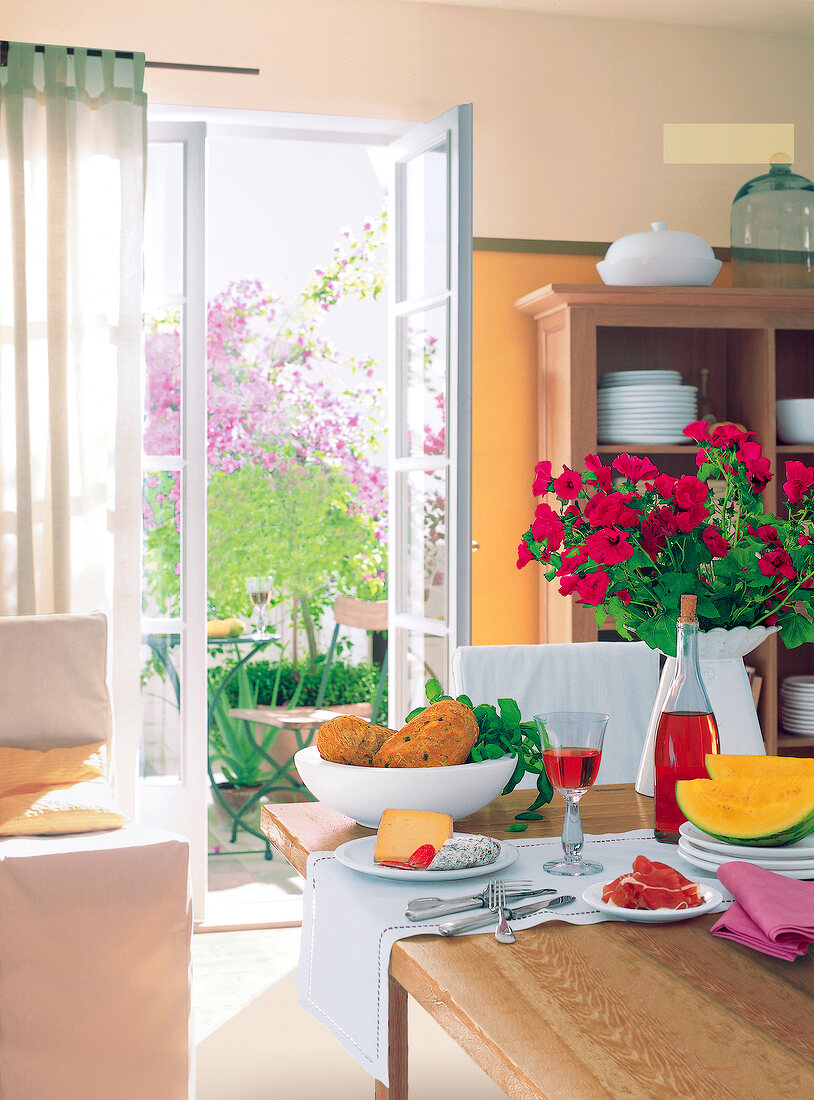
x: 72, y: 155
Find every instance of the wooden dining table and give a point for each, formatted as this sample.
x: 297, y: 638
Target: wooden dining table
x: 617, y: 1009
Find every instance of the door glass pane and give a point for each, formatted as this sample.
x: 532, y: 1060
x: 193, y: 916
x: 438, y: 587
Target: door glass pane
x: 160, y: 706
x: 426, y: 573
x: 426, y: 229
x: 426, y: 660
x: 161, y: 532
x: 162, y: 383
x: 163, y: 221
x: 426, y: 381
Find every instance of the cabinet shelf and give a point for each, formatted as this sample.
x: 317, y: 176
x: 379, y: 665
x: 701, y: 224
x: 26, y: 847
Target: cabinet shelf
x: 756, y: 345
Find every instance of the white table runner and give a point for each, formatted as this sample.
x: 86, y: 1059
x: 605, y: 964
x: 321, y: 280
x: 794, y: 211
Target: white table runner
x: 351, y: 921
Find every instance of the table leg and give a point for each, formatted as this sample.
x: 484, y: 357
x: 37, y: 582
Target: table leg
x: 396, y: 1045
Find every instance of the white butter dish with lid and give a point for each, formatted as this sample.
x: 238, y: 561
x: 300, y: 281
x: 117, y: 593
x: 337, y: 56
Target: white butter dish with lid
x: 659, y: 257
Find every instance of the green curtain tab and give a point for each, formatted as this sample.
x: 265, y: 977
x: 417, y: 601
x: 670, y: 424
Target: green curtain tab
x: 87, y: 74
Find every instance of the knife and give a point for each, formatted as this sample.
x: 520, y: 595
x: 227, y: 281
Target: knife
x: 424, y: 911
x: 463, y: 924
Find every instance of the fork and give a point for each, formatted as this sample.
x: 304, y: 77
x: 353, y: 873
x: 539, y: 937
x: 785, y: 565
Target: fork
x: 497, y: 901
x: 512, y: 885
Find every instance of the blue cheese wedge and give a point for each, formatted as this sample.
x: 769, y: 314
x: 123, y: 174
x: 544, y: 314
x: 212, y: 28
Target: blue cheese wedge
x: 465, y: 851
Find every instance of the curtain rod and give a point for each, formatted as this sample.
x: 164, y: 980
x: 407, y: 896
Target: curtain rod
x: 125, y: 55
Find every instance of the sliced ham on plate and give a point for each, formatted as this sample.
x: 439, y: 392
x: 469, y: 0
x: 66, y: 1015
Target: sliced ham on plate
x: 652, y: 885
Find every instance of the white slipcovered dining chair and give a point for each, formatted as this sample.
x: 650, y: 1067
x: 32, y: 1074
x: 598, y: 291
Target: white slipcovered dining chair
x: 95, y: 927
x: 617, y: 678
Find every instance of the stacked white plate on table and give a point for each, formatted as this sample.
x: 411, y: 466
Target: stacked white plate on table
x: 797, y: 705
x: 708, y: 854
x: 644, y: 406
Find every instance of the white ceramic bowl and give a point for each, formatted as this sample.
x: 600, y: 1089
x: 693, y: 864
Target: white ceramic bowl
x: 363, y: 793
x: 795, y: 420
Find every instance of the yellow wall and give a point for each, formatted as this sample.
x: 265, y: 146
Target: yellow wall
x: 504, y: 435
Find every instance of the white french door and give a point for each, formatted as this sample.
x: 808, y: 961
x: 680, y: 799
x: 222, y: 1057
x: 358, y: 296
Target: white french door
x: 173, y: 794
x: 430, y: 398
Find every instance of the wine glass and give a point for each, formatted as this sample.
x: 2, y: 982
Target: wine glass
x: 571, y: 758
x: 259, y: 589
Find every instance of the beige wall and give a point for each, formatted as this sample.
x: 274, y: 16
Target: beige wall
x: 568, y: 112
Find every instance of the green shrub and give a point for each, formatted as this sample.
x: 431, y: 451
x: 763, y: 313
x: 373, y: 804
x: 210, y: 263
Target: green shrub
x: 347, y: 683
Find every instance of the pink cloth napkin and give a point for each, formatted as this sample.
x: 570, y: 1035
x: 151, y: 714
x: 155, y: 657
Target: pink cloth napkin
x: 771, y: 913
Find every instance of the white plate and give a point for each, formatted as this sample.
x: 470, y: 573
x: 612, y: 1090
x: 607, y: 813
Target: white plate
x: 358, y: 855
x: 803, y: 849
x: 629, y: 378
x: 799, y: 681
x: 663, y: 423
x: 661, y: 392
x: 686, y: 848
x: 709, y: 865
x: 637, y: 437
x: 593, y: 895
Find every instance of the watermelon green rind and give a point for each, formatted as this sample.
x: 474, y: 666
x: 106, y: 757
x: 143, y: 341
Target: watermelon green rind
x: 765, y: 812
x: 727, y: 766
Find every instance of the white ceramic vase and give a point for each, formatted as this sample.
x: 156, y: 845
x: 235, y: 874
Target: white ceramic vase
x: 720, y: 656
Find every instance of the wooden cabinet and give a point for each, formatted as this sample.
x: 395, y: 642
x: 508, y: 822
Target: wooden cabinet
x: 757, y: 346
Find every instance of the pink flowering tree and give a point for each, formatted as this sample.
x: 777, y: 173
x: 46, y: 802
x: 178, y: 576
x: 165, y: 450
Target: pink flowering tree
x: 293, y: 431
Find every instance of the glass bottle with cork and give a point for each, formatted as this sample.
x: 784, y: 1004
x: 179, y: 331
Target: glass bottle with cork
x: 686, y: 730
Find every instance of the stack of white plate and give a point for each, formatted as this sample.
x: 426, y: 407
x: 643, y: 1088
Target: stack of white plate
x: 644, y: 406
x: 797, y: 705
x: 707, y: 853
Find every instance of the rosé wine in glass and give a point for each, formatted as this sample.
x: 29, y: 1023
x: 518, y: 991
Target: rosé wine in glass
x: 572, y: 754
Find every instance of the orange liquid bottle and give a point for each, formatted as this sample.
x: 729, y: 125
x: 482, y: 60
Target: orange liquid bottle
x: 687, y: 729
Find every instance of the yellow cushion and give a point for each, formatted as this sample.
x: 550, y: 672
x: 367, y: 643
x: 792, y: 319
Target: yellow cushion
x: 59, y: 791
x: 31, y: 769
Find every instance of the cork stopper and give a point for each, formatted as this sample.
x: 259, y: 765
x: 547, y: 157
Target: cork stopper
x: 688, y: 609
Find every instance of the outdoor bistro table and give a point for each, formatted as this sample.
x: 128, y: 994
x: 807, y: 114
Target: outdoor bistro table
x: 596, y: 1011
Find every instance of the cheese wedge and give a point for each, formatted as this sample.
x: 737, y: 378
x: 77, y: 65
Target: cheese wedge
x: 401, y: 832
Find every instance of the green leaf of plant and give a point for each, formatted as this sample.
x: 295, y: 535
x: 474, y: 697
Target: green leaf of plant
x: 516, y: 828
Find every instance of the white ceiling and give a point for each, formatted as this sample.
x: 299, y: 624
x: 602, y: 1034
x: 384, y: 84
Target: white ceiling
x: 786, y: 17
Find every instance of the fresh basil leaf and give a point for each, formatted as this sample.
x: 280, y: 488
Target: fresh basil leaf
x: 519, y: 827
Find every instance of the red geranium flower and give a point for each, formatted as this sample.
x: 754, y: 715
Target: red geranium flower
x: 568, y: 485
x: 766, y: 533
x: 724, y: 435
x: 777, y: 563
x: 609, y: 546
x: 799, y: 480
x: 715, y: 542
x: 593, y: 588
x: 604, y: 476
x: 569, y: 584
x: 635, y: 469
x: 612, y: 510
x: 542, y: 478
x: 698, y: 430
x: 547, y: 527
x: 524, y: 555
x: 692, y: 517
x: 690, y: 491
x: 665, y: 486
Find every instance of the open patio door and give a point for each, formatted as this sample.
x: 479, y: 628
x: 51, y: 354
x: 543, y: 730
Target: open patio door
x: 430, y: 398
x: 172, y: 793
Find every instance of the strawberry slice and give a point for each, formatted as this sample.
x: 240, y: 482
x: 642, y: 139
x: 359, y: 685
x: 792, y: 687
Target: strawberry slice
x: 422, y: 857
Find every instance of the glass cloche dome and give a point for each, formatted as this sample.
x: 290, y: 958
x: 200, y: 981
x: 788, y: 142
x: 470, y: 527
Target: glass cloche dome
x: 772, y: 229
